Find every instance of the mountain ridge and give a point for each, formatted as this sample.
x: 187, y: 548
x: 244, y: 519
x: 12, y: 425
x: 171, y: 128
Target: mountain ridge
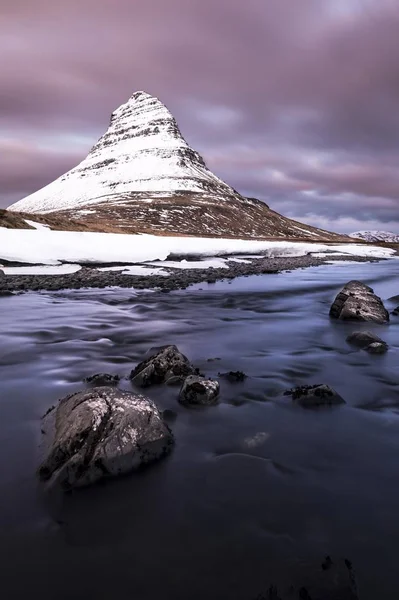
x: 376, y: 236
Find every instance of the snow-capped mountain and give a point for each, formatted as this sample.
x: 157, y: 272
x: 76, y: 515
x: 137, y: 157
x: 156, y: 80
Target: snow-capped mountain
x: 142, y: 176
x: 376, y: 236
x: 142, y: 151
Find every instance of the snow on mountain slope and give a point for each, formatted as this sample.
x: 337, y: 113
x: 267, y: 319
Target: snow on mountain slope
x: 142, y: 150
x: 376, y: 236
x: 142, y: 177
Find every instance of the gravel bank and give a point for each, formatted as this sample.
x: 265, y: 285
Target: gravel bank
x: 89, y: 277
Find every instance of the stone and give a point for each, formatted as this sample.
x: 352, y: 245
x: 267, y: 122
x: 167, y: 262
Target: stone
x: 103, y: 379
x: 233, y: 376
x: 313, y: 396
x: 367, y: 341
x: 164, y: 363
x: 199, y: 391
x: 100, y: 433
x: 377, y: 348
x: 333, y: 579
x: 2, y: 274
x: 396, y: 311
x: 357, y: 301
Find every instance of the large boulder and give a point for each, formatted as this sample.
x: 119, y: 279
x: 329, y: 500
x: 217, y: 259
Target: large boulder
x: 357, y: 301
x: 396, y: 311
x: 367, y: 341
x: 165, y: 364
x: 2, y: 274
x: 99, y: 433
x: 313, y: 396
x: 198, y: 391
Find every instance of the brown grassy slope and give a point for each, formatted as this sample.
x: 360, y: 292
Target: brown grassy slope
x: 12, y: 220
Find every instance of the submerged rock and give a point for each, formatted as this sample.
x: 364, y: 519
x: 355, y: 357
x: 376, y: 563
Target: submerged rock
x: 357, y: 301
x: 312, y: 396
x: 199, y: 391
x: 331, y: 580
x: 367, y: 341
x: 166, y: 362
x: 103, y: 379
x: 99, y: 433
x: 234, y: 376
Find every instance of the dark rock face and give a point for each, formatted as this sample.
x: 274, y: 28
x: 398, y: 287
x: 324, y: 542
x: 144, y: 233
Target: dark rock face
x: 101, y: 433
x: 198, y: 391
x: 357, y: 301
x: 103, y: 379
x: 2, y: 274
x: 233, y: 376
x: 165, y: 363
x: 396, y: 311
x: 367, y: 341
x: 313, y: 396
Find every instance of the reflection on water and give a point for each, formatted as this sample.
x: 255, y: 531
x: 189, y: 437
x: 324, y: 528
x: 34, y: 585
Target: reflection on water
x: 256, y: 489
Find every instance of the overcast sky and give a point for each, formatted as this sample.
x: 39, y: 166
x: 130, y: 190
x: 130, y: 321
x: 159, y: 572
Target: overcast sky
x: 295, y: 102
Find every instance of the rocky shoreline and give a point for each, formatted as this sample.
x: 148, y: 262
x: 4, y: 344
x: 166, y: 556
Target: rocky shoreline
x: 91, y: 277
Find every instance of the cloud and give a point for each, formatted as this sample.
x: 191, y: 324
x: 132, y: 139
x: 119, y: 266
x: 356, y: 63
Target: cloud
x: 293, y: 102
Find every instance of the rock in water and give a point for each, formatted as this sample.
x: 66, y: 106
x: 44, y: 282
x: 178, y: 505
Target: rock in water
x: 103, y: 379
x: 396, y: 311
x: 357, y: 301
x: 102, y: 432
x: 234, y: 376
x: 367, y: 341
x: 199, y: 391
x: 164, y: 364
x: 332, y: 580
x: 313, y: 396
x: 377, y: 348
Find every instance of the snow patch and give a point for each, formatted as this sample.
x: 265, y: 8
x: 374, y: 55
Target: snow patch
x: 52, y: 247
x: 136, y: 270
x: 42, y: 270
x: 37, y: 225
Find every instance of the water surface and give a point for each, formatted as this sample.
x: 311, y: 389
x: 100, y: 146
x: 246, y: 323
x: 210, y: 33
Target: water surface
x: 257, y: 490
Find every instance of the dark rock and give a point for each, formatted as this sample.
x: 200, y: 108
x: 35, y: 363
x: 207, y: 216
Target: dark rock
x: 367, y: 341
x: 396, y: 311
x: 163, y: 364
x: 199, y: 391
x: 377, y: 348
x: 99, y: 433
x: 234, y: 376
x: 332, y: 580
x: 357, y: 301
x: 103, y: 379
x: 2, y: 274
x: 5, y: 293
x: 312, y: 396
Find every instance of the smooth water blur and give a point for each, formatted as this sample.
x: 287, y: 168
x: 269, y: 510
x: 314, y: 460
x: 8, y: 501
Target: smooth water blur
x: 257, y: 490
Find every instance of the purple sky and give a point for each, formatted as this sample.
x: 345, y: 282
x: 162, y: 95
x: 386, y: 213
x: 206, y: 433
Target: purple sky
x: 292, y: 101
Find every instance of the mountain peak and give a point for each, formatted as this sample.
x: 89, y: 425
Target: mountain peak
x: 142, y: 150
